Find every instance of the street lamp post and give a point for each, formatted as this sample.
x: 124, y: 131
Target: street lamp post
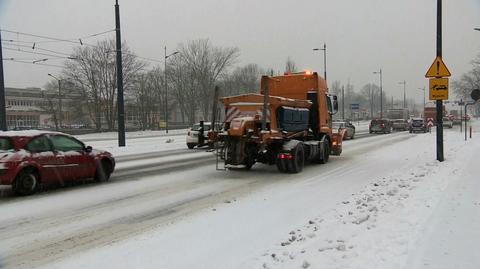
x: 324, y: 59
x: 59, y: 99
x: 423, y: 89
x: 166, y: 87
x: 381, y: 91
x: 404, y: 93
x: 3, y: 110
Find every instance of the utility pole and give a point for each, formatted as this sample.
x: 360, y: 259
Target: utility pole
x: 343, y: 102
x: 381, y: 92
x: 166, y: 87
x: 324, y: 60
x: 3, y: 109
x: 120, y: 101
x: 166, y: 90
x: 371, y: 102
x: 404, y: 93
x: 439, y: 104
x: 59, y: 100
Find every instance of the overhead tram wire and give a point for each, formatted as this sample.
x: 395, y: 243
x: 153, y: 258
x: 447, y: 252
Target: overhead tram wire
x: 73, y: 41
x: 36, y: 48
x: 36, y: 53
x: 50, y: 65
x: 55, y: 39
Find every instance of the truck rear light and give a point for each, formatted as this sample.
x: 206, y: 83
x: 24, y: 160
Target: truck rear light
x: 284, y: 156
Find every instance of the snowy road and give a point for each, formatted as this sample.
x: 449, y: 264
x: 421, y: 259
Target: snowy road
x: 159, y: 189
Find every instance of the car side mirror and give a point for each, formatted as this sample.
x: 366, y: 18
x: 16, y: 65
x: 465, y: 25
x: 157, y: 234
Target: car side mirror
x: 88, y: 149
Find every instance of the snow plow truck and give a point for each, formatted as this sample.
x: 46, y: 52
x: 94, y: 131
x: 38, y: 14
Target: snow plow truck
x: 287, y: 124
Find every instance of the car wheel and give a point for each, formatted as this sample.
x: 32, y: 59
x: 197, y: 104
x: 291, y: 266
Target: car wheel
x: 353, y: 136
x: 103, y: 171
x: 190, y: 145
x: 26, y: 182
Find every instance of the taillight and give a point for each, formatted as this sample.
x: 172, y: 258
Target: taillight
x: 383, y: 125
x: 283, y: 156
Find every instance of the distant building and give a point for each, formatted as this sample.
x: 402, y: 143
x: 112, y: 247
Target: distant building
x: 33, y: 108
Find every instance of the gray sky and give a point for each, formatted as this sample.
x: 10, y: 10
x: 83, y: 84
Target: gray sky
x: 361, y: 36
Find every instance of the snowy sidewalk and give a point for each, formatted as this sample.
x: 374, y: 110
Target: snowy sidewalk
x: 423, y: 217
x: 452, y: 233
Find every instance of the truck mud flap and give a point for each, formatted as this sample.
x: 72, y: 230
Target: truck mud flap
x: 337, y: 140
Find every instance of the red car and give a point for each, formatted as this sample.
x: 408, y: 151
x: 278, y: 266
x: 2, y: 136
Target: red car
x: 31, y: 158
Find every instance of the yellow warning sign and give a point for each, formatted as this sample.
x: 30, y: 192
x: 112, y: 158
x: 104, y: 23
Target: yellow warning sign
x: 438, y: 69
x: 438, y: 89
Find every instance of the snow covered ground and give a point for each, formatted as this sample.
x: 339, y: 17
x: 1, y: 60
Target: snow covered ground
x: 385, y: 203
x: 137, y: 142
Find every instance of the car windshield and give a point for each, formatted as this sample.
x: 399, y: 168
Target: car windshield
x: 418, y: 121
x: 399, y: 121
x: 6, y: 144
x: 196, y: 127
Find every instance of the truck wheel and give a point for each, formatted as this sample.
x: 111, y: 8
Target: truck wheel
x: 281, y: 165
x: 325, y: 155
x: 190, y: 145
x: 298, y: 161
x: 26, y: 182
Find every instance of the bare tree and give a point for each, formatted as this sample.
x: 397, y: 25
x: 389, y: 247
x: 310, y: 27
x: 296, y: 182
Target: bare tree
x: 243, y: 79
x: 194, y: 73
x: 50, y: 104
x: 150, y: 97
x: 468, y: 81
x: 290, y: 66
x: 93, y: 70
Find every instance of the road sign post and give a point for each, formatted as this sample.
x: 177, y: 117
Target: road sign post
x: 354, y: 108
x: 475, y: 96
x: 439, y: 87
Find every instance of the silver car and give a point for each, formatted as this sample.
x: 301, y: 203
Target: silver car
x: 348, y: 126
x: 447, y: 123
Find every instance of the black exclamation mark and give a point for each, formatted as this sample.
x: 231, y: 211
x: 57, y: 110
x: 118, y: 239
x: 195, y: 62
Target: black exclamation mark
x: 438, y: 67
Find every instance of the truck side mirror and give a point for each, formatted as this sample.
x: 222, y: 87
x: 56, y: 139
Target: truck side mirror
x: 335, y: 104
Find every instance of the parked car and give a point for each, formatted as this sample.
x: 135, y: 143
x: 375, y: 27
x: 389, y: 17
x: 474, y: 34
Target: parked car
x: 380, y: 126
x: 447, y: 122
x: 400, y: 125
x: 31, y: 158
x: 348, y: 126
x: 193, y: 136
x: 418, y: 125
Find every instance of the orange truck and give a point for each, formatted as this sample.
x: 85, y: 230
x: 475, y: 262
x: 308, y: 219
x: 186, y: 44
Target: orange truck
x: 287, y: 124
